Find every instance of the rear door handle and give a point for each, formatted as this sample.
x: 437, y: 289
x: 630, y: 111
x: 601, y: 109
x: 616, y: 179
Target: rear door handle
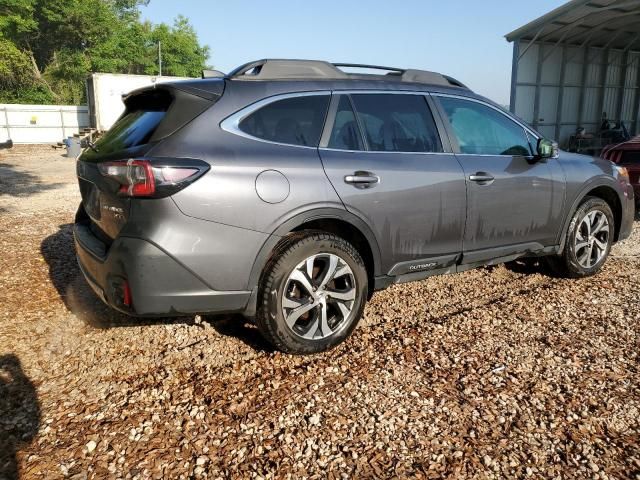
x: 481, y: 177
x: 362, y: 179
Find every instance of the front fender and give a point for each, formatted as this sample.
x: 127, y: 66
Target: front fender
x: 591, y: 184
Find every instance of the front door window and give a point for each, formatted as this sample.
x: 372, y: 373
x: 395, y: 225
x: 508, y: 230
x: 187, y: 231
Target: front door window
x: 481, y: 130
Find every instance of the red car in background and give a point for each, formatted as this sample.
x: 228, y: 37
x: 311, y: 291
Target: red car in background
x: 627, y: 154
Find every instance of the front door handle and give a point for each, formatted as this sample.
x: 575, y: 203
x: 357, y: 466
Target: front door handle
x: 362, y: 179
x: 482, y: 178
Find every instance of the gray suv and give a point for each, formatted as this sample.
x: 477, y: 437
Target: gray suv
x: 291, y: 190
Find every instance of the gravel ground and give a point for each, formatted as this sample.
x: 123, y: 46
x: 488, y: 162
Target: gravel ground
x: 497, y: 372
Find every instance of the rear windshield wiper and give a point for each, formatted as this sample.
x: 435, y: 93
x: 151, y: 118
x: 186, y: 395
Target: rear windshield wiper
x: 92, y: 146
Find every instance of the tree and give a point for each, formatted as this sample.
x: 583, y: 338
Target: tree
x: 17, y: 21
x: 127, y: 51
x: 49, y: 47
x: 182, y: 56
x: 17, y: 81
x: 128, y: 9
x: 67, y: 71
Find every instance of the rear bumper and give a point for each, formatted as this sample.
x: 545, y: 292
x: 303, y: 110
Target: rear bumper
x: 159, y: 284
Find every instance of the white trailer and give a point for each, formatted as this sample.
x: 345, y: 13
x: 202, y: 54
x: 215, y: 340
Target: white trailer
x: 104, y: 95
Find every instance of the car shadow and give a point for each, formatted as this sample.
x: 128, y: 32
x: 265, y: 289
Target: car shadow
x: 18, y: 183
x: 58, y: 250
x: 238, y: 326
x: 19, y: 414
x: 528, y: 266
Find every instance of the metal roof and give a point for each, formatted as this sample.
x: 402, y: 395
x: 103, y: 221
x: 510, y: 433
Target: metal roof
x: 594, y: 23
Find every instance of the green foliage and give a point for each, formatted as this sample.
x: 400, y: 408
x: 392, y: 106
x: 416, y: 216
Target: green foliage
x: 182, y: 56
x: 49, y: 47
x: 71, y: 25
x: 67, y: 72
x: 17, y: 19
x: 15, y: 67
x: 126, y: 52
x: 34, y: 95
x: 17, y: 81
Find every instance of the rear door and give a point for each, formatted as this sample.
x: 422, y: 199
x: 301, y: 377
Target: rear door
x: 514, y: 203
x: 384, y: 156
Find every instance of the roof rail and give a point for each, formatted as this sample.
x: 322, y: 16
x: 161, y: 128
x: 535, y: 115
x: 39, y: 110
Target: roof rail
x: 392, y: 70
x: 269, y: 69
x: 284, y: 69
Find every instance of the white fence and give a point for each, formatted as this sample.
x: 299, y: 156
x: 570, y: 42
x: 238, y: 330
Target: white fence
x: 41, y: 123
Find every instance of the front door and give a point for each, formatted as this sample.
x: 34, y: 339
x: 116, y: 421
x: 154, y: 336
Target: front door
x: 385, y: 158
x: 514, y: 203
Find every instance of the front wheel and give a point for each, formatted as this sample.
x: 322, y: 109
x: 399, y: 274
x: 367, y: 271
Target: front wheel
x: 588, y: 242
x: 312, y: 293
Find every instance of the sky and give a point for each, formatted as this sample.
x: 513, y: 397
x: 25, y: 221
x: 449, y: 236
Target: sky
x: 460, y: 38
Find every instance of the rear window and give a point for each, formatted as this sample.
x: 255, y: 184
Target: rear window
x: 294, y: 121
x: 141, y: 119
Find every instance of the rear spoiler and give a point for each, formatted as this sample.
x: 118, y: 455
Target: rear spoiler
x: 185, y: 99
x: 210, y: 90
x: 213, y: 74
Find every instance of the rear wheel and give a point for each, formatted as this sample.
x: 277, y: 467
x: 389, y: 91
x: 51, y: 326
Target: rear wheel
x: 312, y: 294
x: 588, y: 241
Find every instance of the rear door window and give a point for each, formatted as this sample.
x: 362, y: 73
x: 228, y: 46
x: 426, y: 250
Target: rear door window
x: 294, y: 121
x: 345, y: 134
x: 397, y: 123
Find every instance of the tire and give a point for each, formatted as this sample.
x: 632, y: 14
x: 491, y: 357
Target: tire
x: 289, y: 315
x: 574, y: 261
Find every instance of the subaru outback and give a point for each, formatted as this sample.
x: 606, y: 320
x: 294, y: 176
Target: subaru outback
x: 291, y: 190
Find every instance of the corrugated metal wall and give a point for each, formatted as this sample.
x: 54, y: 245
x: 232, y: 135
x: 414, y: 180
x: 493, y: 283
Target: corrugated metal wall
x: 558, y: 88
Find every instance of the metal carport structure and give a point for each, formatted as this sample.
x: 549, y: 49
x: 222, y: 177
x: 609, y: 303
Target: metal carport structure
x: 575, y: 63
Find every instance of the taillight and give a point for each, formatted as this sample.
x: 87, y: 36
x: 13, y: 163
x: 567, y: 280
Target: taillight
x: 177, y: 174
x: 158, y: 178
x: 135, y: 177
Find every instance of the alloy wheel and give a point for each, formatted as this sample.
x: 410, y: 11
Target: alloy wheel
x: 592, y: 239
x: 319, y: 296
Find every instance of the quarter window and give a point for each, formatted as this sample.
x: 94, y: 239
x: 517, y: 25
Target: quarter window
x: 295, y: 121
x: 481, y: 130
x: 397, y: 123
x: 345, y: 134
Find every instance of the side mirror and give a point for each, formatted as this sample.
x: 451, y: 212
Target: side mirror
x: 546, y: 149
